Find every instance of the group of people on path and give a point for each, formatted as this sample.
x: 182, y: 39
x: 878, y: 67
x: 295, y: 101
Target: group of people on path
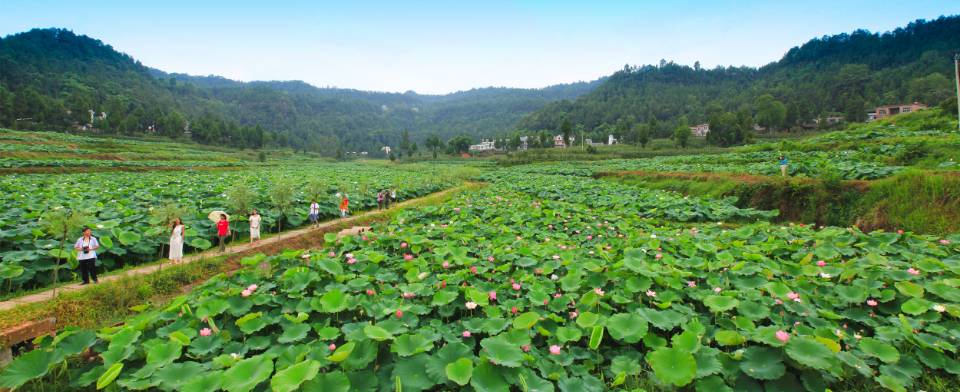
x: 385, y: 197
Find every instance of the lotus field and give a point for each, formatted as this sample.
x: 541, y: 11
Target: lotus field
x: 128, y: 211
x: 547, y: 284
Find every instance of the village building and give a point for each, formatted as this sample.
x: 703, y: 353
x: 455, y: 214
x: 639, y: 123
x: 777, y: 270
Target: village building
x: 485, y: 145
x: 558, y: 141
x: 892, y: 110
x: 523, y: 143
x: 700, y: 130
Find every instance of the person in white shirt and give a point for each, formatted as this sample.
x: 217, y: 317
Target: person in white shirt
x: 86, y: 248
x: 314, y: 212
x: 176, y: 241
x: 254, y: 226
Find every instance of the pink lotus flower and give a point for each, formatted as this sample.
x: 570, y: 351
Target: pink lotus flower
x: 408, y: 257
x: 445, y: 264
x: 490, y: 259
x: 717, y: 290
x: 599, y: 291
x: 792, y: 295
x: 471, y: 305
x: 331, y: 254
x: 545, y: 302
x: 913, y: 271
x: 900, y: 231
x: 467, y: 334
x: 205, y: 332
x: 651, y: 293
x: 443, y: 284
x: 473, y: 269
x: 778, y: 301
x: 821, y: 263
x: 245, y: 293
x: 589, y: 237
x: 332, y: 347
x: 783, y: 337
x: 557, y: 295
x: 525, y: 348
x: 574, y: 314
x: 348, y: 255
x: 691, y: 283
x: 252, y: 287
x: 516, y: 286
x: 403, y: 245
x: 945, y: 242
x: 554, y: 350
x: 514, y: 310
x: 364, y: 238
x: 493, y: 295
x: 658, y: 256
x: 457, y: 209
x: 871, y: 302
x: 351, y: 261
x: 371, y: 292
x: 408, y: 295
x: 519, y: 238
x: 399, y: 313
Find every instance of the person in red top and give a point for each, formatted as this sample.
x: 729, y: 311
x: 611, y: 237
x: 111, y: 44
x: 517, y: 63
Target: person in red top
x: 344, y: 205
x: 223, y: 230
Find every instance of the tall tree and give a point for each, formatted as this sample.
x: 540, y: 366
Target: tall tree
x: 771, y: 113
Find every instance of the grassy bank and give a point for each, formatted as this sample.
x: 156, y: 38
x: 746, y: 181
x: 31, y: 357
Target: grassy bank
x: 919, y: 201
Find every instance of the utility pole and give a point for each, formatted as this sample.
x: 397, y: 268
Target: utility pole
x: 956, y: 71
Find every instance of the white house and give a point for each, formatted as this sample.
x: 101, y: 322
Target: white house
x: 523, y: 143
x: 558, y: 141
x: 611, y: 140
x: 485, y: 145
x: 700, y: 130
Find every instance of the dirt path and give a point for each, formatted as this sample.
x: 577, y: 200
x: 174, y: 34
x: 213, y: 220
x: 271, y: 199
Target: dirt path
x: 267, y: 243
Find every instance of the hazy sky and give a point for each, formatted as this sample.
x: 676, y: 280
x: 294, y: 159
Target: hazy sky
x: 445, y: 46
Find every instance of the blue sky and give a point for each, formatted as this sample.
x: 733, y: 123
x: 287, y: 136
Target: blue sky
x: 445, y: 46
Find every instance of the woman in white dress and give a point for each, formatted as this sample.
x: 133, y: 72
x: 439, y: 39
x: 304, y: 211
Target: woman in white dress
x: 254, y: 226
x: 176, y: 241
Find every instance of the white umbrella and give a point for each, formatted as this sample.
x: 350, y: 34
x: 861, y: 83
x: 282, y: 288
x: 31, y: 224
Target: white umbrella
x: 215, y: 215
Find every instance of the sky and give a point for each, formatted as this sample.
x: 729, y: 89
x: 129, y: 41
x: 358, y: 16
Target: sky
x: 438, y: 47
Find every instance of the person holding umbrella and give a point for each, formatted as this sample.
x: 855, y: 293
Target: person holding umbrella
x: 86, y: 248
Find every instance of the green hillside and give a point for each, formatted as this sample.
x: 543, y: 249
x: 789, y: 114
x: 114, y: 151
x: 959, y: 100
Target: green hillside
x: 843, y: 75
x: 51, y: 78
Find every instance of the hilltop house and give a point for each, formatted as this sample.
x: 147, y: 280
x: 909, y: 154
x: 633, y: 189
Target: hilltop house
x: 892, y: 110
x: 700, y: 130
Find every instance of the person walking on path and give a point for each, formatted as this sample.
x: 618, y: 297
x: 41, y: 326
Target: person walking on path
x: 380, y: 200
x: 783, y: 166
x: 393, y: 195
x: 254, y: 226
x: 86, y: 248
x: 223, y: 230
x: 176, y: 241
x: 344, y: 206
x: 314, y: 212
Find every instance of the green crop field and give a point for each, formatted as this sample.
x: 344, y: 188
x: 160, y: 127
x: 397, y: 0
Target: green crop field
x: 546, y: 279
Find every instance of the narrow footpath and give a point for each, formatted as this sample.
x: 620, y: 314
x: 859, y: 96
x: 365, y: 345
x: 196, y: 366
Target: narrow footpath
x: 232, y: 249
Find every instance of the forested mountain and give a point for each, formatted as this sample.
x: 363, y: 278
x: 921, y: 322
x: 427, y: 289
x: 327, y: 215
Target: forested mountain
x: 51, y: 78
x: 845, y: 75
